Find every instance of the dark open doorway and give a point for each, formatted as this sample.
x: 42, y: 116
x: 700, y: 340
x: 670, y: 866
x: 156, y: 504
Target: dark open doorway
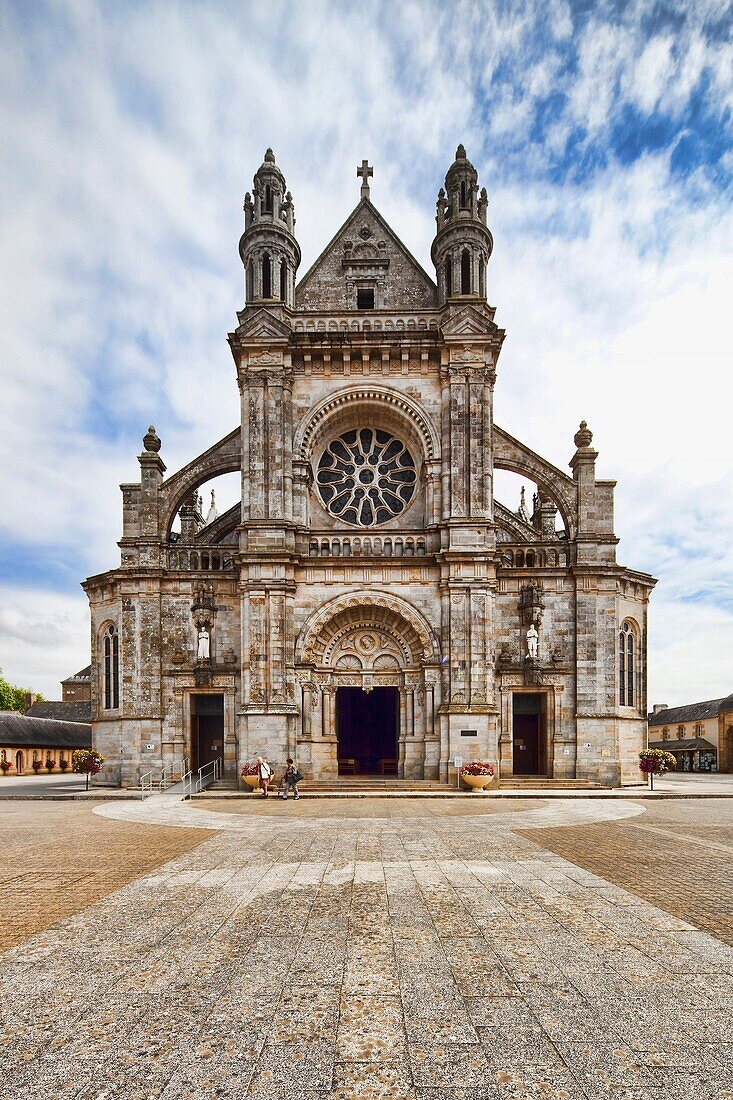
x: 207, y: 729
x: 366, y: 726
x: 529, y: 733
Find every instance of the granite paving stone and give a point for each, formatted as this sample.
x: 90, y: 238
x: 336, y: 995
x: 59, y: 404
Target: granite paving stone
x: 411, y: 954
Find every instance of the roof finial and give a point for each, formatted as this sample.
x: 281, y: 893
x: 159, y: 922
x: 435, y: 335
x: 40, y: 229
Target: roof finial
x: 365, y: 171
x: 523, y: 511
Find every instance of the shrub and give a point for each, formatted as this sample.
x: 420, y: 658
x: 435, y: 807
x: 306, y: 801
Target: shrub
x: 6, y: 766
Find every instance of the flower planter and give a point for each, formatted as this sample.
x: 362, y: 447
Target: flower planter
x: 477, y: 782
x: 252, y: 781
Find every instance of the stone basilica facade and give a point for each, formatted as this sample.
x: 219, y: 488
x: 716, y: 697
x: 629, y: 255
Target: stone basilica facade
x: 369, y: 607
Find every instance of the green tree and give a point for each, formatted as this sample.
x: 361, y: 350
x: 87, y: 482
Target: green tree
x: 14, y: 698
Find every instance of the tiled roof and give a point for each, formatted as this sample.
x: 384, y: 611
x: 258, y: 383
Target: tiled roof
x: 43, y: 733
x: 84, y: 676
x: 76, y: 710
x: 693, y: 712
x: 687, y: 744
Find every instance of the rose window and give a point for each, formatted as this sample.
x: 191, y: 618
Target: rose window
x: 366, y: 477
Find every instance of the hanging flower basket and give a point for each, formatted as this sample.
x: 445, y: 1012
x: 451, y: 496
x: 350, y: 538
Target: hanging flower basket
x: 655, y: 762
x: 86, y: 762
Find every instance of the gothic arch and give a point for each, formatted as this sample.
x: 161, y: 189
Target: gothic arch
x: 381, y: 400
x: 379, y: 610
x: 510, y: 454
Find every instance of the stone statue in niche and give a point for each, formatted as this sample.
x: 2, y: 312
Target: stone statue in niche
x: 203, y: 649
x: 533, y: 638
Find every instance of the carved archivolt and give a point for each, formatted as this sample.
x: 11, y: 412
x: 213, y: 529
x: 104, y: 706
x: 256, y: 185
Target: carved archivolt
x: 382, y: 401
x: 367, y: 625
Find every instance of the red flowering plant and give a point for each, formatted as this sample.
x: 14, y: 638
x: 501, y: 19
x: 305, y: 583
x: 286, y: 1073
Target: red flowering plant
x: 655, y: 762
x: 477, y: 767
x: 250, y: 769
x: 6, y: 766
x: 49, y: 764
x: 86, y: 762
x: 63, y: 763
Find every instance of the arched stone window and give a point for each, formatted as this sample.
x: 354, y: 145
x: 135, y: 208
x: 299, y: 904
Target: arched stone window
x: 482, y: 278
x: 250, y: 282
x: 680, y: 733
x: 626, y: 666
x: 111, y: 668
x: 465, y: 272
x: 266, y: 276
x: 283, y: 280
x: 268, y: 199
x: 448, y: 277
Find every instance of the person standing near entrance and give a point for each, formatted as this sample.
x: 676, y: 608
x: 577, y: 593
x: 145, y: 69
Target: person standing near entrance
x: 264, y: 771
x: 291, y: 778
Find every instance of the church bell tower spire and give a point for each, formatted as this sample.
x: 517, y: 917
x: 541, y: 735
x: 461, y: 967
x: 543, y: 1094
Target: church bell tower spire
x: 463, y: 243
x: 268, y: 248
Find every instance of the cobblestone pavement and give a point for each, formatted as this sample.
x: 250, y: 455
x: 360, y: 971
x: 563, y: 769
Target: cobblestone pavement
x: 57, y: 858
x: 678, y: 855
x: 421, y: 957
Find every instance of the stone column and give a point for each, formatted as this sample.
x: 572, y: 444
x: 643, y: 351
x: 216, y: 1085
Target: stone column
x: 458, y: 425
x: 255, y: 499
x: 256, y: 646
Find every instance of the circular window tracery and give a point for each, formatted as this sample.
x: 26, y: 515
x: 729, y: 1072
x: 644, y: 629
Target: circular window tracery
x: 366, y: 476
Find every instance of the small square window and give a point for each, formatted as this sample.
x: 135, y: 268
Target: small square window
x: 365, y: 298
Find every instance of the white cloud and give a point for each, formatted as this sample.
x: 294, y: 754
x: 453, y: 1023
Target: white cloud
x: 128, y: 149
x: 44, y: 637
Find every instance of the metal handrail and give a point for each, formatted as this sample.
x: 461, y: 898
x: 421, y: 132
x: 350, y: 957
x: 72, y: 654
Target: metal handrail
x: 146, y: 784
x: 166, y: 777
x: 209, y: 773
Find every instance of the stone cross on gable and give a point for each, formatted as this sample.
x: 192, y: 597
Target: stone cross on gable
x: 365, y: 171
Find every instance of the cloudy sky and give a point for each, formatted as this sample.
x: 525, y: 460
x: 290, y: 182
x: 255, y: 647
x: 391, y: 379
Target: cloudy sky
x: 130, y: 132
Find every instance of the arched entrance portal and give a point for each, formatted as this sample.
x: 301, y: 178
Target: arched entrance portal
x: 19, y: 762
x: 367, y: 730
x: 368, y: 667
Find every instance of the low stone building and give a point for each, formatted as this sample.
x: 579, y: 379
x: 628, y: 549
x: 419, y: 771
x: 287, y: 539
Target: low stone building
x: 368, y: 606
x: 700, y: 735
x: 46, y: 741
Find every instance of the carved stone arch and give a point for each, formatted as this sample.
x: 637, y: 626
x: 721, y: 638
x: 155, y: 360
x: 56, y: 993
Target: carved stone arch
x: 225, y: 457
x: 510, y: 454
x: 223, y: 527
x: 383, y: 402
x: 517, y: 529
x: 381, y: 610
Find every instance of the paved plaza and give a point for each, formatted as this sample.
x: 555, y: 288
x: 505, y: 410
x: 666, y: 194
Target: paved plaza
x: 466, y: 949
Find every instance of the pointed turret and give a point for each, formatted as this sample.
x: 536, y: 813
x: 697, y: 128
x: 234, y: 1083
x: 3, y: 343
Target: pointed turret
x: 462, y: 244
x: 268, y: 248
